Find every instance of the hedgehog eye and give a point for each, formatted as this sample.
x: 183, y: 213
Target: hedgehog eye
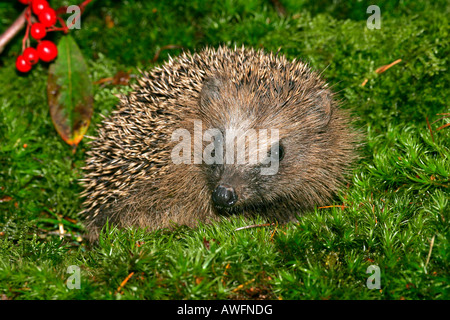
x: 277, y: 152
x: 218, y: 145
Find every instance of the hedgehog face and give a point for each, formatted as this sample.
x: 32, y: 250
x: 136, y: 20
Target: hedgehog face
x: 263, y: 157
x: 235, y: 185
x: 243, y: 168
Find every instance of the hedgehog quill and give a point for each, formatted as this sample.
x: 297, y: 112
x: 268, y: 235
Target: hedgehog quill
x: 132, y: 178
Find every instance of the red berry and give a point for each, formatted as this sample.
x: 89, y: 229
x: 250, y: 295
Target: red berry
x: 47, y: 50
x: 38, y: 31
x: 31, y: 55
x: 25, y: 1
x: 22, y: 64
x: 38, y: 6
x: 47, y: 17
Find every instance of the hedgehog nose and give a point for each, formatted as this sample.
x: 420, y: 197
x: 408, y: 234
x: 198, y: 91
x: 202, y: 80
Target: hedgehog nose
x: 224, y: 195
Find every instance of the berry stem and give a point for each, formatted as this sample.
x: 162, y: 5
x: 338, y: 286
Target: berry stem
x: 64, y: 9
x: 82, y: 6
x: 63, y: 24
x: 27, y: 32
x: 26, y: 17
x: 64, y: 29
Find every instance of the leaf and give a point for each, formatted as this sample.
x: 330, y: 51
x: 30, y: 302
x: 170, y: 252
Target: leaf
x: 69, y: 92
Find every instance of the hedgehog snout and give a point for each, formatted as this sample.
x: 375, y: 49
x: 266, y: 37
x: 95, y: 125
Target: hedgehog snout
x: 224, y: 195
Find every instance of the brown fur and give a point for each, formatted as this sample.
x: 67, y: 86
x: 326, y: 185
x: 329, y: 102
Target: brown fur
x: 130, y: 177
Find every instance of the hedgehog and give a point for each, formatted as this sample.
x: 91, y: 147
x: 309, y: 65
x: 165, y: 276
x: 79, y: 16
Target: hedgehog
x: 164, y: 157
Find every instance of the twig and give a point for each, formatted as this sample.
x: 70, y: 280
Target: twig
x: 429, y: 128
x: 169, y: 46
x: 429, y: 252
x: 255, y: 226
x: 333, y: 206
x: 384, y: 68
x: 124, y: 282
x: 444, y: 126
x: 440, y: 114
x: 12, y: 30
x: 66, y: 234
x: 281, y: 10
x: 273, y: 233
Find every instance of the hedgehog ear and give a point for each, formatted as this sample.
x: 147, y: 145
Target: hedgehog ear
x: 211, y: 90
x: 325, y: 107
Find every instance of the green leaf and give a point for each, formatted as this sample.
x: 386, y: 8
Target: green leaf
x: 69, y: 92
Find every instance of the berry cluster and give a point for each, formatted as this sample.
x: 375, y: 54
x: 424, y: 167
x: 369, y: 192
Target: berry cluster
x: 46, y: 50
